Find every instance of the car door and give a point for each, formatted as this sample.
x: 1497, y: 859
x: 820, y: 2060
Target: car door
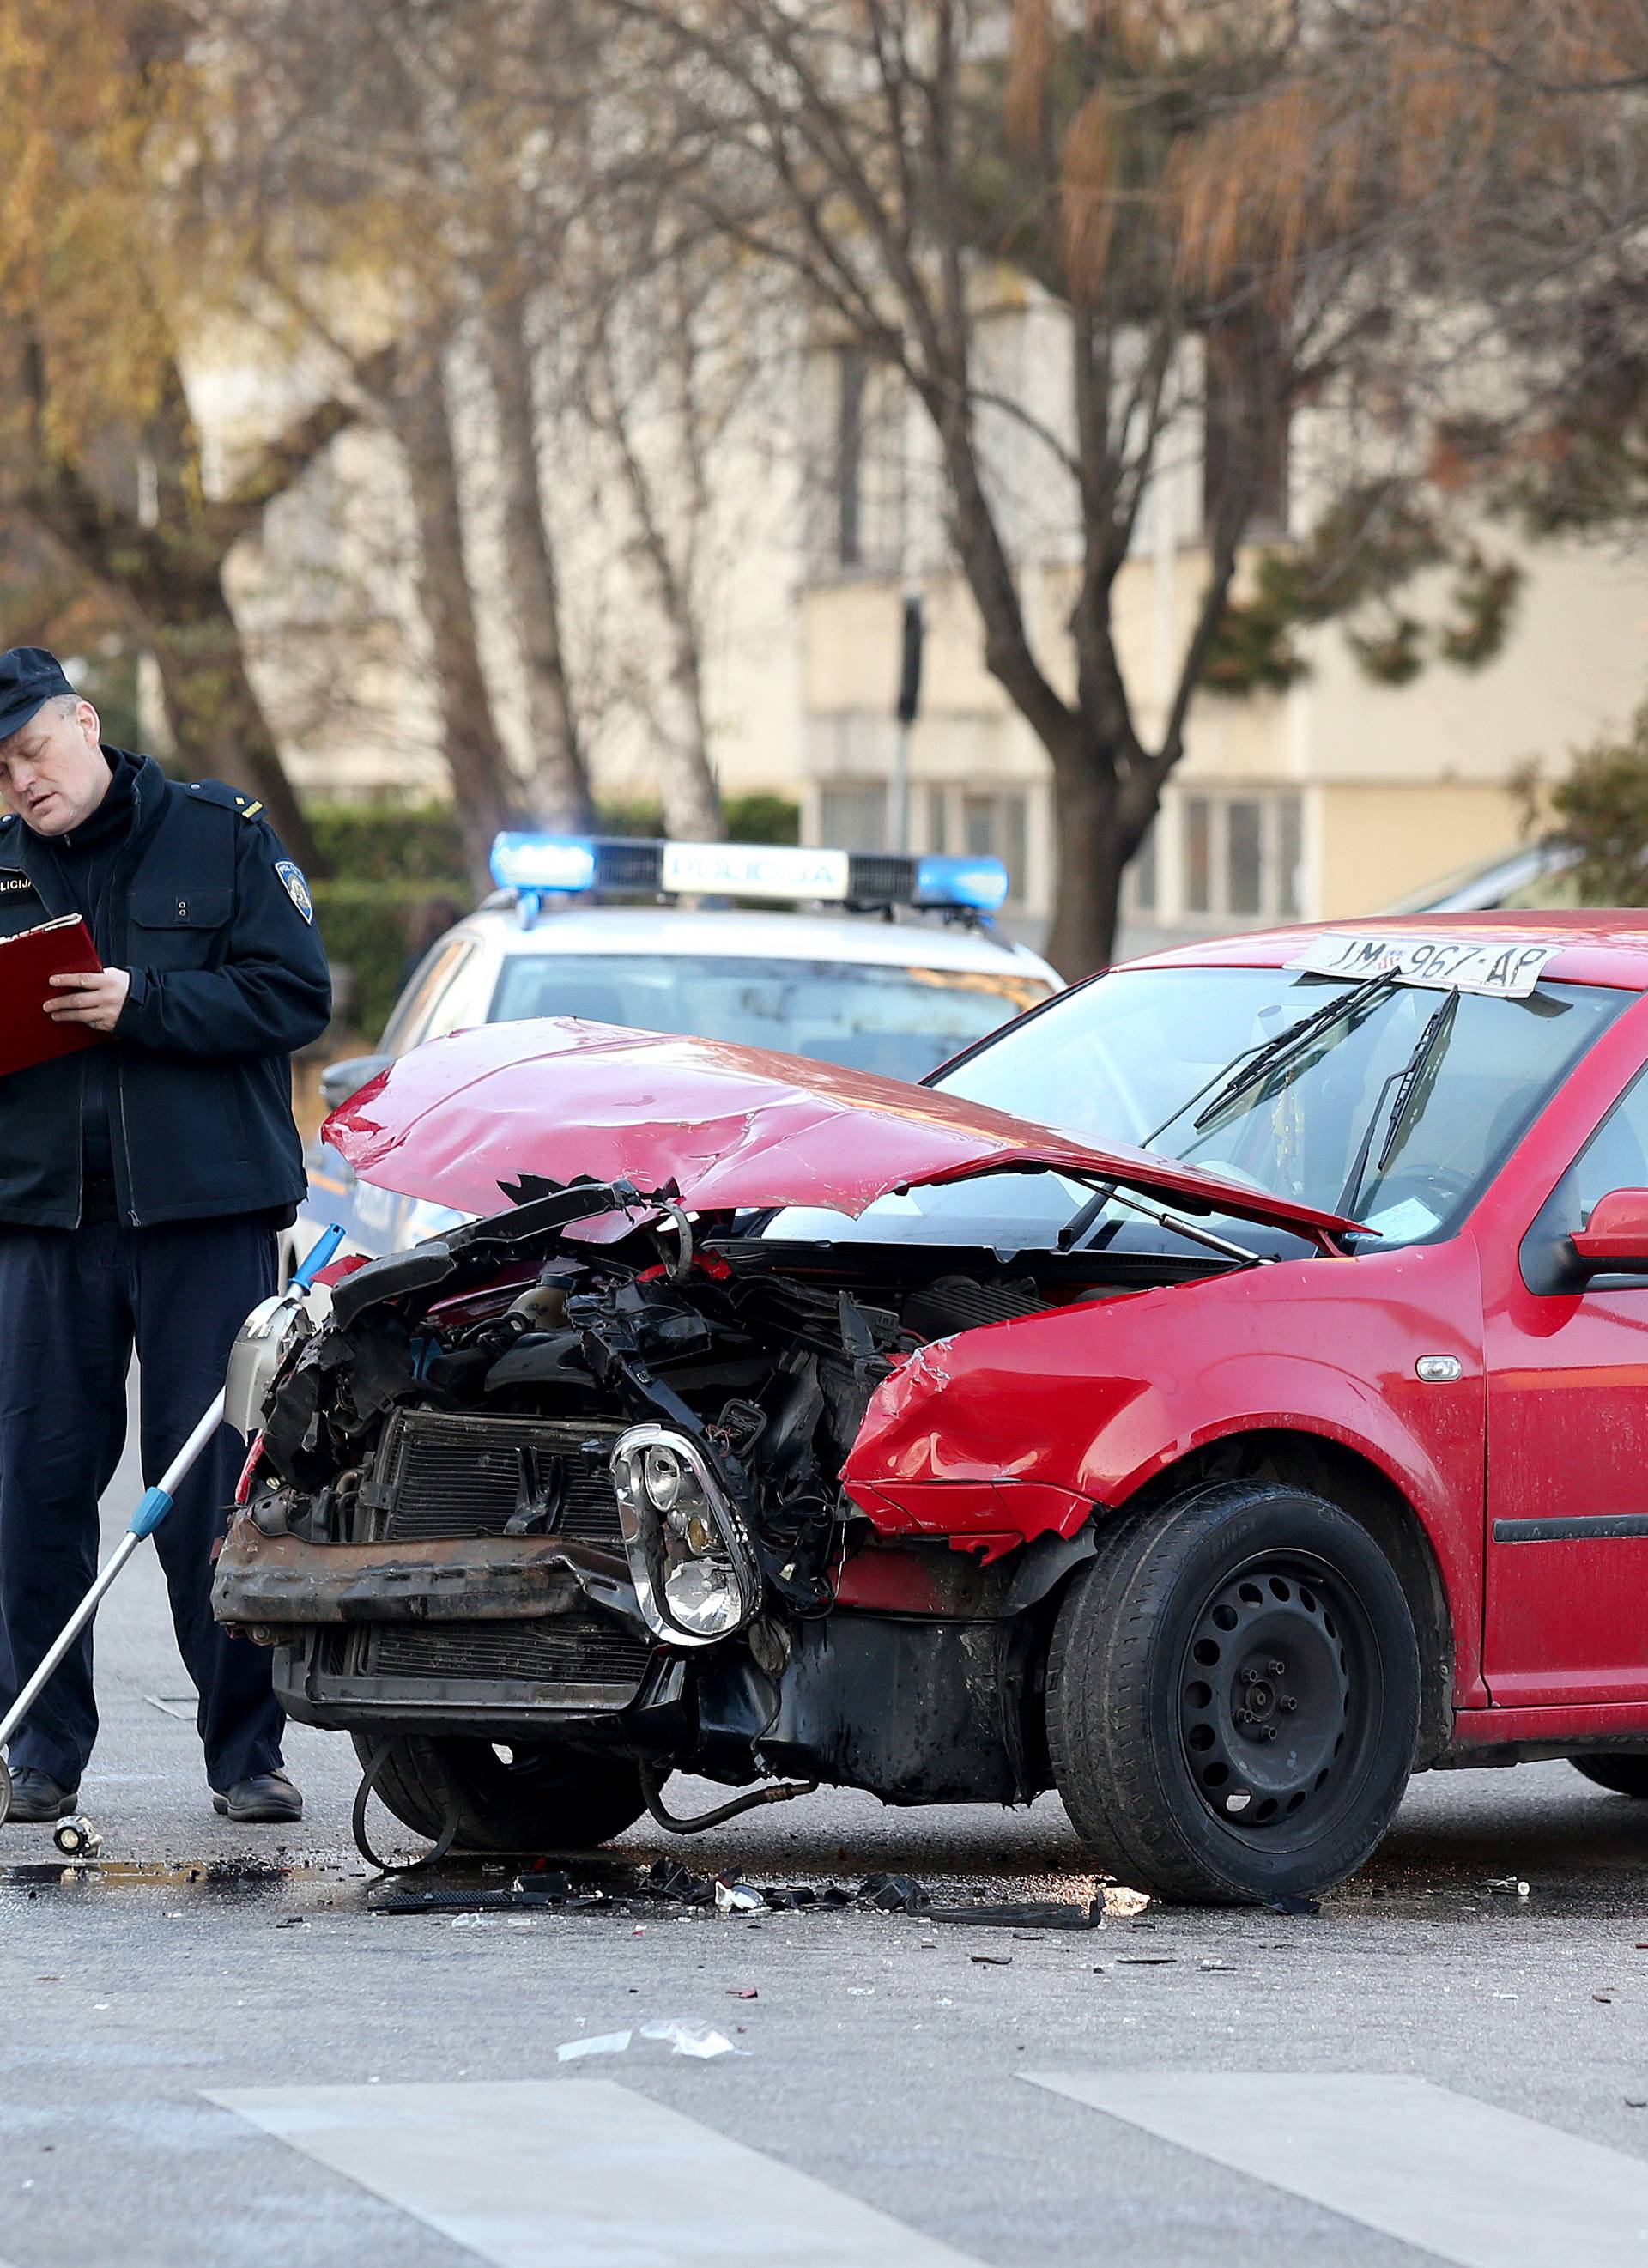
x: 1567, y: 1552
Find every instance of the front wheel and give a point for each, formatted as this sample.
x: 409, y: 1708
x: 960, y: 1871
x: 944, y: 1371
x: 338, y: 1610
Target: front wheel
x: 1233, y: 1696
x: 519, y: 1799
x: 1622, y: 1771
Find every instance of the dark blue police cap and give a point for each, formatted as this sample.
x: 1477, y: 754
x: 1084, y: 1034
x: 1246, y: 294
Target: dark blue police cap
x: 29, y: 678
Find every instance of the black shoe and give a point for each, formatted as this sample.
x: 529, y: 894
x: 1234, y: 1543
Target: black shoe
x: 37, y: 1799
x: 266, y: 1800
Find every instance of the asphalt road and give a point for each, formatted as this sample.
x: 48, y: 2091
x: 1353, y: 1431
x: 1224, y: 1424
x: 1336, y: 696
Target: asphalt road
x: 213, y: 2053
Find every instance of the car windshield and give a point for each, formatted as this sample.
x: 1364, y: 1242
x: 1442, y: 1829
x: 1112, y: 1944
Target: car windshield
x: 871, y: 1017
x: 1397, y: 1110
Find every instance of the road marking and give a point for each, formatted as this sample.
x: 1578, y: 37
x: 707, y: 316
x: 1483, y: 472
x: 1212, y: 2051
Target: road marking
x: 582, y: 2173
x: 1456, y: 2177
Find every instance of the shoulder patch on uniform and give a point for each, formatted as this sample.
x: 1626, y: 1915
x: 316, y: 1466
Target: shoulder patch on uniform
x: 232, y: 799
x: 296, y: 888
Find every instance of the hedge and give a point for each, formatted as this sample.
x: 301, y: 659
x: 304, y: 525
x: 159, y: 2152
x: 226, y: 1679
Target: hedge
x: 390, y: 864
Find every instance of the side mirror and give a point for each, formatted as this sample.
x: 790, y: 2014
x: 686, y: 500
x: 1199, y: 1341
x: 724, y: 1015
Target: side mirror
x: 1614, y: 1240
x: 340, y: 1081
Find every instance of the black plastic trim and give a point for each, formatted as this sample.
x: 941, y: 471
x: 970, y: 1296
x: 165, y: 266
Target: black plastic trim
x: 1598, y: 1527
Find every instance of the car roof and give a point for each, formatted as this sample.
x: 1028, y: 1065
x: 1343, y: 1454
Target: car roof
x: 664, y: 930
x: 1599, y: 945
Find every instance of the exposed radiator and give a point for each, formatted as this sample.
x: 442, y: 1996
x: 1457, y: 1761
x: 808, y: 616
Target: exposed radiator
x: 440, y: 1475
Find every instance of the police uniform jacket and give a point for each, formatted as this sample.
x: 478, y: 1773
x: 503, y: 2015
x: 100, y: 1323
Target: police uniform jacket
x: 228, y: 976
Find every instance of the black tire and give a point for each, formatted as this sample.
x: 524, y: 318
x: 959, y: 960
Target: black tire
x: 548, y: 1798
x: 1176, y: 1626
x: 1622, y: 1771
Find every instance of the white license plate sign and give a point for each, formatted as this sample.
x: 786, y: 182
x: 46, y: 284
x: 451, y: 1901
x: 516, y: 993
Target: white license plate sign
x: 1449, y: 964
x: 754, y: 869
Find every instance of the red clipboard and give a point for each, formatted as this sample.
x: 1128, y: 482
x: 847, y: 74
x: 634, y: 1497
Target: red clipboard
x: 28, y: 1035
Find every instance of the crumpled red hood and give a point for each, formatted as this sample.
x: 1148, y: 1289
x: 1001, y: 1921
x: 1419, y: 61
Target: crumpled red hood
x: 732, y: 1127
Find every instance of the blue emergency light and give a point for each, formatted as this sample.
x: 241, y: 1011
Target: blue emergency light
x: 543, y: 862
x: 979, y: 883
x: 535, y: 866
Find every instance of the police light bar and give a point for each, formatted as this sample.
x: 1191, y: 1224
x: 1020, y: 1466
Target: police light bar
x: 540, y: 865
x: 543, y: 862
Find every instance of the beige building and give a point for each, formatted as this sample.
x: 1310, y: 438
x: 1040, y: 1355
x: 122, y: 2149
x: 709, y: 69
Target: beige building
x: 1334, y: 799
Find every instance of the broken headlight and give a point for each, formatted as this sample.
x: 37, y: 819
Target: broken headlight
x: 259, y: 1349
x: 695, y: 1574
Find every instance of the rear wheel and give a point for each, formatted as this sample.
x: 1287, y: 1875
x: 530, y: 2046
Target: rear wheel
x: 543, y: 1798
x: 1621, y: 1771
x: 1233, y: 1696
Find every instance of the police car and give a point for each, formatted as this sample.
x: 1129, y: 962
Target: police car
x: 895, y: 967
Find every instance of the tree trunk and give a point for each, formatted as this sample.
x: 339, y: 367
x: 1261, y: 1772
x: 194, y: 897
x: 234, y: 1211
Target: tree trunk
x: 482, y: 788
x: 559, y: 786
x: 217, y: 720
x: 1091, y: 858
x: 692, y: 797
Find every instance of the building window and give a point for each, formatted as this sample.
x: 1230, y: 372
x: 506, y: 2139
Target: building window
x: 1142, y: 875
x: 853, y: 818
x: 863, y: 458
x: 1290, y: 856
x: 936, y: 833
x: 1242, y: 855
x: 849, y: 459
x: 1198, y: 855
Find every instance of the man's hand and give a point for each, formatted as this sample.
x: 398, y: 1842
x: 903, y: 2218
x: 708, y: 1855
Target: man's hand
x: 95, y: 999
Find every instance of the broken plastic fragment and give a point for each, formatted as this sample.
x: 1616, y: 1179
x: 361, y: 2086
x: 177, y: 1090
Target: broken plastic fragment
x: 601, y: 2044
x: 894, y: 1894
x: 702, y: 2040
x: 738, y: 1897
x: 1060, y: 1916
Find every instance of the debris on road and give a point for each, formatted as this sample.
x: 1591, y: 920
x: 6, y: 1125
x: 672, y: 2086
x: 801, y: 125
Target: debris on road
x: 682, y: 2036
x: 601, y: 2043
x: 737, y: 1897
x: 992, y: 1960
x: 1062, y: 1915
x: 896, y: 1894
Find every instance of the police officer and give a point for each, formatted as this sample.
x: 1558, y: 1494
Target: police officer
x: 142, y: 1182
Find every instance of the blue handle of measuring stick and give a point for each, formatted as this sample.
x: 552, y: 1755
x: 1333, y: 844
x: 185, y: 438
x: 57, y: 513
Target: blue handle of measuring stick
x: 324, y: 1245
x: 152, y: 1508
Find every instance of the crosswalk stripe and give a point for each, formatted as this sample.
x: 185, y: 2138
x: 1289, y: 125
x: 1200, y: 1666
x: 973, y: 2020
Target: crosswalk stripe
x: 583, y: 2174
x: 1470, y: 2184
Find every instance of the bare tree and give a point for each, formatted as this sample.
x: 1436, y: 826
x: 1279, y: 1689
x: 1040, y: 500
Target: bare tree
x: 557, y: 786
x: 661, y: 390
x: 892, y: 156
x: 370, y: 148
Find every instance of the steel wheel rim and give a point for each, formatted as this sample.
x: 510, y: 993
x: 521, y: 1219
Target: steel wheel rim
x: 1273, y: 1692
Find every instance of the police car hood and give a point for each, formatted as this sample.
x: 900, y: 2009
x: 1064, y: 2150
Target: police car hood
x: 459, y: 1121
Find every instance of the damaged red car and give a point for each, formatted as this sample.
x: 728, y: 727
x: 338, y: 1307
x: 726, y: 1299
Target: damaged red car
x: 1216, y: 1396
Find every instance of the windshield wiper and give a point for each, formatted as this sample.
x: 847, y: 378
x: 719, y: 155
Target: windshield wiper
x: 1286, y: 1044
x: 1406, y: 1082
x: 1254, y: 1068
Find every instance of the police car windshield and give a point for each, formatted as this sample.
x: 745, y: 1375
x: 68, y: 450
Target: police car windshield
x: 902, y: 1022
x: 1414, y: 1112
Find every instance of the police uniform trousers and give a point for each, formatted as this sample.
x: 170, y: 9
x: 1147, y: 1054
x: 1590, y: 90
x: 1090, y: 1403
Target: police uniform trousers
x: 73, y: 1304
